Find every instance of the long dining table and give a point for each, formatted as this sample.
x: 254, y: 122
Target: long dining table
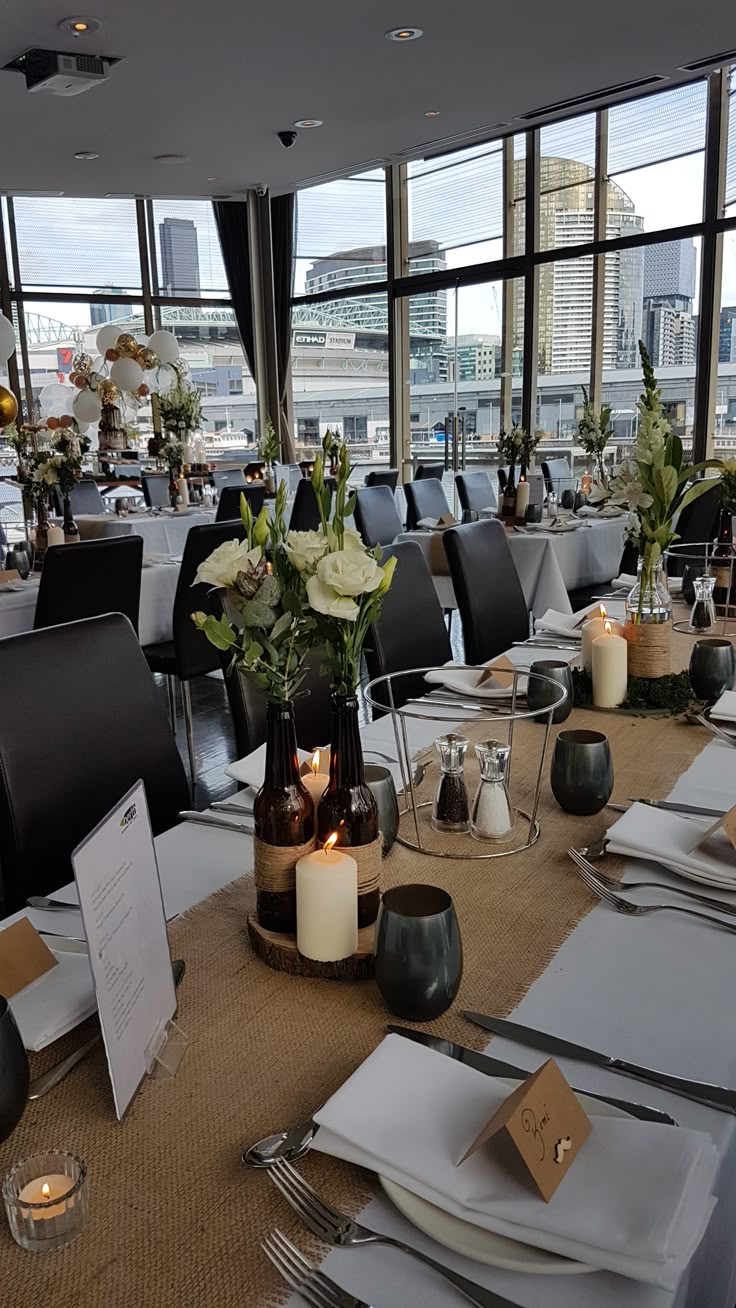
x: 656, y: 990
x: 158, y: 587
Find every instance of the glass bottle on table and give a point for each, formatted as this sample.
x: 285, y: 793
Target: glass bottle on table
x: 283, y: 811
x: 722, y: 564
x: 347, y: 805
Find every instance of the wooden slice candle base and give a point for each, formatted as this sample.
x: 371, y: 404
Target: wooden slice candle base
x: 280, y: 953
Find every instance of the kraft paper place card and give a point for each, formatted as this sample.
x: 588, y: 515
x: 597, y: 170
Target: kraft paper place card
x: 545, y: 1124
x: 447, y: 520
x: 24, y: 957
x: 9, y: 574
x: 721, y: 834
x: 501, y: 670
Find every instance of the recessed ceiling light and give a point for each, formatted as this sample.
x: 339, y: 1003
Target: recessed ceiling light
x: 80, y: 26
x: 403, y: 33
x: 308, y: 122
x: 86, y: 154
x: 213, y: 179
x: 171, y: 159
x: 431, y: 113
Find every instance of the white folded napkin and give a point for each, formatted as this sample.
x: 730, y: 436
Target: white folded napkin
x: 464, y: 681
x: 627, y: 581
x: 647, y: 832
x: 434, y: 524
x: 725, y: 707
x: 568, y: 625
x: 637, y: 1200
x: 250, y: 771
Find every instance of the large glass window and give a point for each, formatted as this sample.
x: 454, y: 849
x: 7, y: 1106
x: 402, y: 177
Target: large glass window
x: 455, y: 209
x: 340, y: 237
x: 566, y: 183
x: 77, y: 245
x: 656, y: 160
x: 188, y: 259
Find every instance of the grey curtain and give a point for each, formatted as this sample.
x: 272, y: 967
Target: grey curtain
x: 232, y: 226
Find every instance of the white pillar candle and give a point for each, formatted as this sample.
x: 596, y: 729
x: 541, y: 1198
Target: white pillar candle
x: 592, y: 629
x: 327, y: 904
x: 315, y: 782
x: 610, y: 653
x: 183, y: 489
x: 56, y: 536
x: 522, y: 497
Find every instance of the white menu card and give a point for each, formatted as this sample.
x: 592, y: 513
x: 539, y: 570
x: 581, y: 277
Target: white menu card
x: 122, y: 909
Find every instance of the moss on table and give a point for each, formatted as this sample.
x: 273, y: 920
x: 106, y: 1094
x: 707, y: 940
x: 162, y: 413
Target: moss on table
x: 667, y: 695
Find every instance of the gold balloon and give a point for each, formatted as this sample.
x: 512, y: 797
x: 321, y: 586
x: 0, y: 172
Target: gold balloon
x: 109, y: 393
x: 82, y: 363
x: 8, y: 407
x: 148, y: 358
x: 126, y: 343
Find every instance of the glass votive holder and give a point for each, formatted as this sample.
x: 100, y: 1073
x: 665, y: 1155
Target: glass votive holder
x: 46, y: 1200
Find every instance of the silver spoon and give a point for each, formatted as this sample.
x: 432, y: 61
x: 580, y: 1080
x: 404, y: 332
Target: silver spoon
x: 291, y: 1144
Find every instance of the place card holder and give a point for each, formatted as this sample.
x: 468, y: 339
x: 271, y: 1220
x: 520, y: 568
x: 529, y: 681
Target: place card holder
x: 725, y: 824
x: 165, y: 1050
x: 545, y: 1125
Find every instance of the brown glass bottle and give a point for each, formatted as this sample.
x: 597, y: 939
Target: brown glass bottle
x: 508, y: 500
x: 721, y: 563
x: 347, y: 805
x: 283, y: 812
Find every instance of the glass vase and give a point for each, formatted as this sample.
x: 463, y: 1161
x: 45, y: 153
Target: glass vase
x: 347, y: 805
x: 648, y: 626
x: 283, y: 814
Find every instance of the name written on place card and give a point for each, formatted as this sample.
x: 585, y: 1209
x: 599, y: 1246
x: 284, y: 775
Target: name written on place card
x: 546, y: 1126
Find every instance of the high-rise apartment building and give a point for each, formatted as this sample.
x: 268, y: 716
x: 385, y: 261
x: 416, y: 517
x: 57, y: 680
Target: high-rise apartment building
x: 102, y: 313
x: 477, y: 356
x: 427, y: 312
x: 179, y: 271
x: 669, y: 274
x: 727, y: 335
x: 669, y: 335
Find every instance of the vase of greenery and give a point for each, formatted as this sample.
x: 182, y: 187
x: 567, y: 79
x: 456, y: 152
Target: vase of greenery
x: 511, y: 446
x: 269, y: 448
x: 594, y: 434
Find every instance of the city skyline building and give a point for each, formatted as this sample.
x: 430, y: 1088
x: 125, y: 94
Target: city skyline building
x: 102, y: 313
x: 346, y: 268
x: 179, y: 271
x: 669, y: 274
x: 727, y: 334
x: 475, y: 355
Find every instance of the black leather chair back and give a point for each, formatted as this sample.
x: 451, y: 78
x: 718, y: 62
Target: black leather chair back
x: 376, y: 516
x: 111, y: 730
x: 228, y: 477
x: 424, y: 499
x: 558, y: 476
x: 475, y: 491
x: 155, y: 487
x: 194, y: 654
x: 305, y: 513
x: 697, y: 522
x: 425, y: 470
x: 248, y: 707
x: 86, y: 498
x: 411, y: 631
x: 383, y: 477
x: 487, y: 588
x: 228, y: 505
x: 89, y: 578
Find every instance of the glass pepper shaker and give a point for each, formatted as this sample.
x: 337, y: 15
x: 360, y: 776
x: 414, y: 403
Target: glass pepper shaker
x: 493, y: 817
x: 703, y: 615
x: 451, y: 811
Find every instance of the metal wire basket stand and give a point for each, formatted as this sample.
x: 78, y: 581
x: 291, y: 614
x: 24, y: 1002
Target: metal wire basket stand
x: 700, y: 554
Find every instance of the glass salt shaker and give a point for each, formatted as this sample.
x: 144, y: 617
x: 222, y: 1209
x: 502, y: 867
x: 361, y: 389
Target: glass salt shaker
x: 492, y: 817
x: 703, y: 615
x: 450, y: 811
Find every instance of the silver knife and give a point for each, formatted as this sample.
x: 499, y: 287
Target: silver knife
x: 495, y: 1067
x: 692, y: 809
x: 222, y: 806
x: 714, y: 1096
x: 210, y: 820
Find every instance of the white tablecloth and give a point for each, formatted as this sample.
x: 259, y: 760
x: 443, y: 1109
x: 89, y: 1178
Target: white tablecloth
x: 165, y: 534
x: 158, y: 586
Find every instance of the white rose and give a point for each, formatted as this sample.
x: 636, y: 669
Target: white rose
x: 305, y: 549
x: 350, y: 572
x: 224, y: 563
x: 323, y: 599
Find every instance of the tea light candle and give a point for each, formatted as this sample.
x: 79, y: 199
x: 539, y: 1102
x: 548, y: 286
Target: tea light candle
x: 586, y: 481
x: 315, y: 781
x: 45, y: 1200
x: 42, y: 1190
x: 327, y: 904
x: 610, y: 654
x: 592, y: 629
x: 55, y: 536
x: 522, y: 497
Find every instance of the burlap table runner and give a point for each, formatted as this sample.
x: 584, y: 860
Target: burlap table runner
x: 175, y: 1221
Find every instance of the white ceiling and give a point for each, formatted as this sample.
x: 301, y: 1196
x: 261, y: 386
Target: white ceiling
x: 217, y: 79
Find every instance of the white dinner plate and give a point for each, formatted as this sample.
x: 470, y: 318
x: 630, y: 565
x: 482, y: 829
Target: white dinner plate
x: 464, y: 681
x: 475, y: 1241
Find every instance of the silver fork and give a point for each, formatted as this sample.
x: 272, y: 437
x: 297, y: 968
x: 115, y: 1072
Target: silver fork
x: 315, y: 1288
x: 636, y: 910
x: 716, y: 731
x: 332, y: 1226
x: 615, y: 883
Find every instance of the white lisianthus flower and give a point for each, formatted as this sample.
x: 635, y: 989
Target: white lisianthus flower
x: 306, y: 548
x: 350, y: 572
x: 323, y: 599
x: 47, y: 472
x: 224, y: 563
x: 352, y: 539
x: 599, y: 492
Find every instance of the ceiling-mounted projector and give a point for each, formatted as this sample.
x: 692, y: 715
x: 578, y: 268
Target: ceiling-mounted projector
x: 54, y: 73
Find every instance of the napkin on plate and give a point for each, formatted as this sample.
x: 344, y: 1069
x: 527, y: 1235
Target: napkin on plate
x: 725, y: 707
x: 636, y: 1202
x: 464, y: 681
x: 647, y: 832
x: 569, y: 625
x: 250, y: 771
x: 627, y: 580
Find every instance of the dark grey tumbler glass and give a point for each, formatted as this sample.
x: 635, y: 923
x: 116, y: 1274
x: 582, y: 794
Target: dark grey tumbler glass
x: 582, y: 771
x: 419, y: 953
x: 712, y: 667
x: 14, y: 1072
x: 381, y: 785
x: 540, y: 694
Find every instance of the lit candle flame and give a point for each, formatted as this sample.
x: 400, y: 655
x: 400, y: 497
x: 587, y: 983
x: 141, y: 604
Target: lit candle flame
x: 604, y: 610
x: 330, y: 842
x: 607, y: 628
x: 45, y: 1191
x: 314, y: 765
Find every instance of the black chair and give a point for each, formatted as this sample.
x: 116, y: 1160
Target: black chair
x: 383, y: 477
x: 228, y: 477
x: 248, y: 707
x: 424, y: 499
x: 155, y: 487
x: 111, y: 730
x: 475, y: 491
x: 189, y: 654
x: 411, y: 631
x: 376, y: 516
x: 489, y: 596
x: 304, y: 512
x: 89, y: 578
x: 557, y: 476
x: 228, y: 505
x: 425, y: 470
x: 86, y: 498
x: 698, y: 522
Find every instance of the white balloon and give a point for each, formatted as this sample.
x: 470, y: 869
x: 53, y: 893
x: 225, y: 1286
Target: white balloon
x: 165, y: 345
x: 106, y: 337
x: 7, y: 339
x: 151, y: 380
x: 83, y: 428
x: 53, y: 398
x: 165, y: 379
x: 127, y: 374
x: 99, y: 364
x: 87, y: 406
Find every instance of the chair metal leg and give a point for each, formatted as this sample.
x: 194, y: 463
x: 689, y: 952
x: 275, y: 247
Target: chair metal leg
x: 187, y: 699
x: 172, y: 702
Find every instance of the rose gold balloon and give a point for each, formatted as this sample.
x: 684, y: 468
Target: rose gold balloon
x: 66, y: 420
x: 52, y: 423
x: 112, y: 355
x: 80, y: 383
x: 143, y: 390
